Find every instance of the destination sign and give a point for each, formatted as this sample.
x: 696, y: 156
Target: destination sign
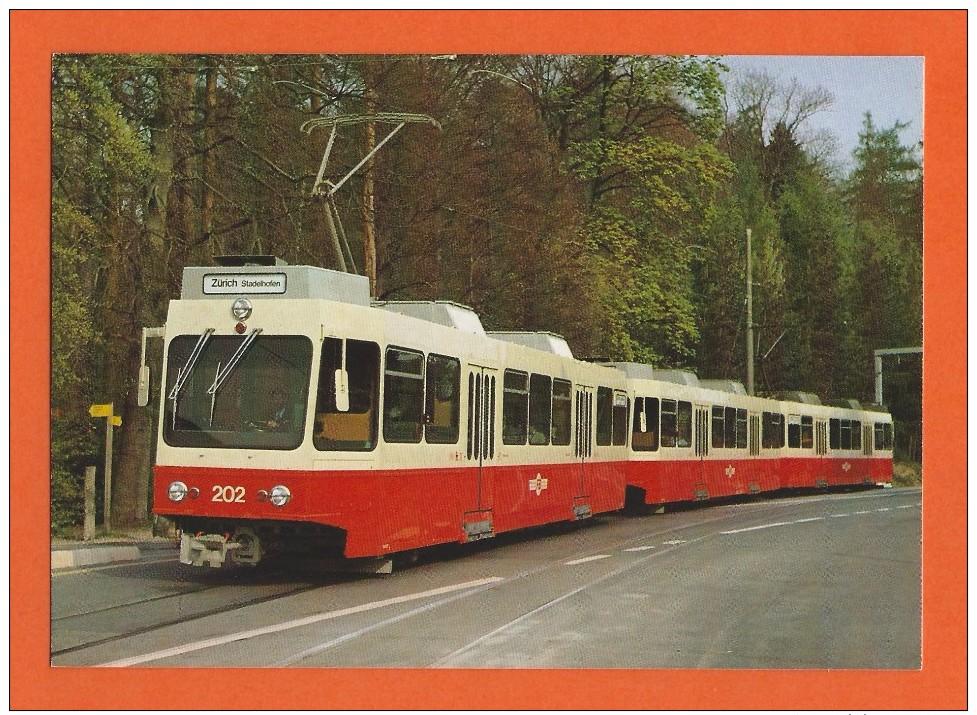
x: 238, y: 283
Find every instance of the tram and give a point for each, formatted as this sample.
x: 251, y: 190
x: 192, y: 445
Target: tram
x: 299, y: 416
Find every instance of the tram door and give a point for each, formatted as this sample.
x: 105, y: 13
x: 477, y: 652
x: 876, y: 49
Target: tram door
x: 701, y: 438
x: 823, y: 477
x: 583, y: 440
x: 480, y: 444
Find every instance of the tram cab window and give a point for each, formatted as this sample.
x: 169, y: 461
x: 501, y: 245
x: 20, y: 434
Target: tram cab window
x: 773, y: 430
x: 540, y: 408
x: 515, y: 407
x: 443, y: 404
x: 403, y: 396
x: 354, y: 429
x: 561, y: 412
x: 676, y: 423
x: 644, y: 430
x: 236, y: 391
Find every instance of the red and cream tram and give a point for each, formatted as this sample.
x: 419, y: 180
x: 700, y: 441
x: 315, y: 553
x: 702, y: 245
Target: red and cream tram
x: 300, y: 416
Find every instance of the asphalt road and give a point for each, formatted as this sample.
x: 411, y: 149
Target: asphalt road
x: 824, y: 581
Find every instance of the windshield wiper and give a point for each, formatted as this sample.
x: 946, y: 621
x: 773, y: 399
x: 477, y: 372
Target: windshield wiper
x: 184, y: 372
x: 222, y: 374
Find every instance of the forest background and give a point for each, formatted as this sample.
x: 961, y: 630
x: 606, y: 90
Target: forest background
x: 604, y: 198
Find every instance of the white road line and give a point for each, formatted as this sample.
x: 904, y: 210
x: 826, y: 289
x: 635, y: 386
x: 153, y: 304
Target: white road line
x: 585, y: 560
x: 297, y: 623
x: 674, y: 542
x: 770, y: 526
x: 640, y: 548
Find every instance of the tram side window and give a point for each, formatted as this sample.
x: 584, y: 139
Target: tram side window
x: 883, y: 435
x: 605, y: 415
x: 621, y: 404
x: 442, y: 405
x: 561, y: 412
x: 644, y: 431
x: 807, y: 432
x: 834, y: 433
x: 676, y: 423
x: 356, y: 429
x: 515, y: 407
x: 718, y: 426
x: 540, y: 406
x: 741, y: 436
x: 856, y: 434
x: 773, y: 430
x: 403, y: 396
x: 794, y: 431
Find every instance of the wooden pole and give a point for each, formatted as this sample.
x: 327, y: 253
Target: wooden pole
x: 89, y: 529
x: 107, y: 515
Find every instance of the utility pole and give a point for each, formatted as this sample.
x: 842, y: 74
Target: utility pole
x: 749, y: 311
x: 369, y: 233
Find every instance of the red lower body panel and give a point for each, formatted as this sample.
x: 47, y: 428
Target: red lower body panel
x: 384, y: 512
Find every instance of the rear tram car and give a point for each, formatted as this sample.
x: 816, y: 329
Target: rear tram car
x: 300, y: 416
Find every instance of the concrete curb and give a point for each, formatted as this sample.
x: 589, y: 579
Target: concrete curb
x: 75, y: 558
x: 96, y: 554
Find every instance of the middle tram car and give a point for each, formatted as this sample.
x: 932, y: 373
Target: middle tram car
x: 298, y: 415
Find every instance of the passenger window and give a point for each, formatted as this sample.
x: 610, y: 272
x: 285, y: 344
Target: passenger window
x: 856, y: 434
x: 561, y: 412
x: 356, y: 429
x: 644, y: 432
x: 515, y: 407
x: 403, y: 398
x: 807, y: 432
x: 741, y: 434
x: 794, y: 431
x: 621, y: 404
x: 442, y: 405
x: 730, y: 440
x: 605, y: 415
x: 718, y: 427
x: 834, y: 433
x: 773, y: 430
x: 540, y: 406
x: 683, y: 437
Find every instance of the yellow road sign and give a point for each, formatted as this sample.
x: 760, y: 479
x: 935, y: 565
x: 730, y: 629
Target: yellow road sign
x: 100, y: 410
x: 116, y: 420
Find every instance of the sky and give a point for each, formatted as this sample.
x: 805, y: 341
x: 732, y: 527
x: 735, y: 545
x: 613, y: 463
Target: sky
x: 891, y: 88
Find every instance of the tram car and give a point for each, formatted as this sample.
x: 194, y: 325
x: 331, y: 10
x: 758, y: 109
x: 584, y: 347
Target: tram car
x: 299, y: 416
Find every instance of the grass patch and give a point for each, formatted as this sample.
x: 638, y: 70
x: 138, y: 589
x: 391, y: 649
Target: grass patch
x: 907, y: 474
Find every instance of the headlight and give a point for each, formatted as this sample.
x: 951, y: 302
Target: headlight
x: 241, y: 309
x: 177, y: 491
x: 279, y: 495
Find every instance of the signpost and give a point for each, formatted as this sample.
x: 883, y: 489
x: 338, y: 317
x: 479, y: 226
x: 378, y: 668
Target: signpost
x: 112, y: 420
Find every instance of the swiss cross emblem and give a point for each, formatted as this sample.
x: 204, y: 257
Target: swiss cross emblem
x: 538, y: 484
x: 846, y: 466
x: 730, y: 471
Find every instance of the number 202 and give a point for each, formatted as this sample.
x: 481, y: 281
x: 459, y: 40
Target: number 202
x: 228, y: 494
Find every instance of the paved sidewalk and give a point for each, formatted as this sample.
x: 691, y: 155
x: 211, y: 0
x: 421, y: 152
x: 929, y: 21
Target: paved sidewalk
x: 118, y: 546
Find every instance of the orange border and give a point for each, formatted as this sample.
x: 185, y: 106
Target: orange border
x: 939, y: 36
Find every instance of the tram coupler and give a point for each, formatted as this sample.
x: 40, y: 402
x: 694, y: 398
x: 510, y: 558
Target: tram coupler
x: 206, y: 549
